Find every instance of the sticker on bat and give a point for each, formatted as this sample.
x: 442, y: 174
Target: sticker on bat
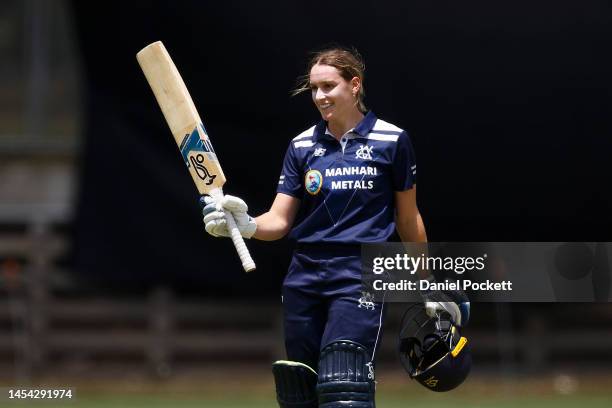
x: 201, y: 170
x: 195, y: 142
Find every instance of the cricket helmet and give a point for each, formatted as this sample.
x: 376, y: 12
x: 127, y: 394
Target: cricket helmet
x: 432, y: 350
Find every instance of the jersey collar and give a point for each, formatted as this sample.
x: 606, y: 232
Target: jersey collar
x: 362, y: 129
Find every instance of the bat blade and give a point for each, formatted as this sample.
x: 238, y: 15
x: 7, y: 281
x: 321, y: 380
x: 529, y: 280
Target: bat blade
x: 182, y: 117
x: 189, y: 132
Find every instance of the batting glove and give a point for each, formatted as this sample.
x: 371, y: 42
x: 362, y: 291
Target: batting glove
x: 454, y: 303
x: 214, y: 216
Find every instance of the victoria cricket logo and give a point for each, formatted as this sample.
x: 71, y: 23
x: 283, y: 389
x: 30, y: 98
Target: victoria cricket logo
x: 193, y: 147
x: 364, y: 152
x: 366, y: 301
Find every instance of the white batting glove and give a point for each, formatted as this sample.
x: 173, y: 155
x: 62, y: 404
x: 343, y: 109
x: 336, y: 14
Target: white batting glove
x: 454, y: 303
x: 214, y: 216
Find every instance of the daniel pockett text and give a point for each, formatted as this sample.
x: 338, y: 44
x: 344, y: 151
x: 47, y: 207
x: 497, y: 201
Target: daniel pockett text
x: 425, y: 285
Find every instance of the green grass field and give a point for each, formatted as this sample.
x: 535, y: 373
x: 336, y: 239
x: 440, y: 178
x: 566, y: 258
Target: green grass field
x: 394, y: 391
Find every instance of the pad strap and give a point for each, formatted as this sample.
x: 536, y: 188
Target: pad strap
x: 295, y: 384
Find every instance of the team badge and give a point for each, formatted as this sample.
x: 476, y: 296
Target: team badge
x: 364, y: 152
x: 313, y: 181
x: 366, y: 301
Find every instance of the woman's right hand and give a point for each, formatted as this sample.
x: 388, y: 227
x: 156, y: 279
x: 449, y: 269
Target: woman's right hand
x: 214, y: 216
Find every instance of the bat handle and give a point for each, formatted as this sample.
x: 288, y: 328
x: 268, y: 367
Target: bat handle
x: 243, y: 252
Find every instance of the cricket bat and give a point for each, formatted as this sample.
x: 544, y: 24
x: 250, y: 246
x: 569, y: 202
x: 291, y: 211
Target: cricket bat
x: 189, y: 133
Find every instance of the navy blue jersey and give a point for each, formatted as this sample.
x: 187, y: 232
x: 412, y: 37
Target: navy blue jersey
x: 347, y: 187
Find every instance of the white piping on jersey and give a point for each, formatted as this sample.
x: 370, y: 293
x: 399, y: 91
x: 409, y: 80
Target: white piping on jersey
x: 303, y: 143
x: 381, y: 125
x: 387, y: 136
x: 375, y: 134
x: 382, y: 131
x: 306, y: 133
x: 384, y: 138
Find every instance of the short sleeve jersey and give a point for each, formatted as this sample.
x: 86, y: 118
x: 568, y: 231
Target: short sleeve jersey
x: 347, y: 187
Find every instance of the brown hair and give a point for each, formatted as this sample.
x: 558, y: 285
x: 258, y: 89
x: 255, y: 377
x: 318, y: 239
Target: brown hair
x: 347, y: 61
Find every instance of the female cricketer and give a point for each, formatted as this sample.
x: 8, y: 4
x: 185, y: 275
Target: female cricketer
x: 349, y: 179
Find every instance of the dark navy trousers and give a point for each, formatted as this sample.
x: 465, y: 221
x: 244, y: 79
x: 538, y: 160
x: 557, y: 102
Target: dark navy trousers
x: 323, y: 301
